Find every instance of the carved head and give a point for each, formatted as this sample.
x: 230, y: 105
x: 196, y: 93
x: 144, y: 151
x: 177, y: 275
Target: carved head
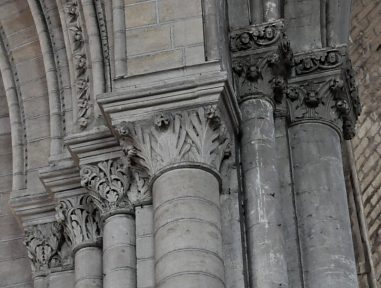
x: 332, y: 58
x: 254, y: 73
x: 269, y: 33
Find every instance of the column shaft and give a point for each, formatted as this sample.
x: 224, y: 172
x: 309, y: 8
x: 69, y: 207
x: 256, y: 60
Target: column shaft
x: 88, y: 268
x: 266, y: 255
x: 187, y: 230
x: 40, y: 282
x: 119, y: 253
x: 322, y: 208
x: 62, y: 279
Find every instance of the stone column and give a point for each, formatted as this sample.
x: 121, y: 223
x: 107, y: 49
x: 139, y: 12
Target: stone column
x: 182, y: 152
x: 81, y: 225
x: 260, y: 69
x: 115, y: 193
x: 40, y: 281
x: 323, y: 109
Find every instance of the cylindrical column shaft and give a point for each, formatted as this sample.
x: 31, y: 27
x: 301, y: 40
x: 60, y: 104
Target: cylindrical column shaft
x: 119, y: 254
x: 187, y: 230
x: 62, y: 279
x: 40, y: 282
x: 88, y: 268
x: 271, y: 10
x: 322, y: 208
x: 266, y: 255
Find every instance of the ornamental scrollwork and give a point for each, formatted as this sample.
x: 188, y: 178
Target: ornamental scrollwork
x: 43, y: 243
x: 75, y: 30
x: 256, y: 36
x: 197, y: 136
x: 80, y: 219
x: 319, y: 61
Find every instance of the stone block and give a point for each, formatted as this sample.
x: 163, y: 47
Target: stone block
x: 144, y: 220
x: 35, y: 107
x: 16, y: 22
x: 145, y: 273
x: 6, y: 183
x: 38, y: 128
x: 5, y: 126
x: 38, y: 153
x: 188, y: 32
x: 12, y: 249
x: 194, y: 55
x: 9, y: 228
x: 141, y: 14
x: 144, y: 247
x: 146, y: 40
x: 26, y: 52
x: 155, y: 62
x: 174, y: 9
x: 8, y: 274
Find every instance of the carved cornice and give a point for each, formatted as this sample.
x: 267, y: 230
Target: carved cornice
x: 43, y: 242
x: 81, y: 221
x: 115, y: 186
x: 77, y: 40
x: 170, y: 138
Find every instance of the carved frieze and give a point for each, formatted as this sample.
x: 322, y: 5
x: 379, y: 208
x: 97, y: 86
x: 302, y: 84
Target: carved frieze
x: 43, y: 242
x: 256, y: 36
x: 327, y: 59
x: 75, y: 30
x: 80, y: 219
x: 196, y: 136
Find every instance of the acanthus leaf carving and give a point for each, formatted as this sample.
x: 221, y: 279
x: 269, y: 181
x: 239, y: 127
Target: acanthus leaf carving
x: 197, y: 136
x: 81, y: 220
x: 43, y: 242
x: 108, y: 183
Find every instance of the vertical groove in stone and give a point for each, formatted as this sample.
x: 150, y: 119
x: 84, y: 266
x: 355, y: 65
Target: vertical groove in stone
x: 119, y: 253
x: 88, y: 268
x: 187, y: 230
x: 322, y: 207
x: 266, y: 255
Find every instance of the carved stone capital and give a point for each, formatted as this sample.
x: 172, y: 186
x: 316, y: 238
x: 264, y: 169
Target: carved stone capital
x: 43, y: 242
x: 323, y: 89
x: 262, y: 60
x: 170, y: 138
x: 81, y: 221
x: 114, y: 186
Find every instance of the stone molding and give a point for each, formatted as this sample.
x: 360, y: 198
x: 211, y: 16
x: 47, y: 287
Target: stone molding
x: 171, y: 138
x: 80, y: 220
x: 77, y: 40
x: 47, y: 249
